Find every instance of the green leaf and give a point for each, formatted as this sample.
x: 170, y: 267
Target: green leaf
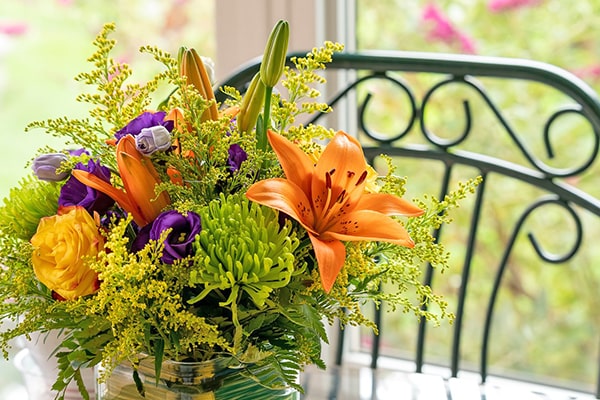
x: 159, y: 349
x: 139, y: 385
x: 307, y: 317
x: 81, y: 385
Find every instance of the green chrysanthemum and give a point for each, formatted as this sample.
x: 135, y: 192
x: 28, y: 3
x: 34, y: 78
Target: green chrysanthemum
x: 242, y: 251
x: 243, y: 248
x: 31, y: 200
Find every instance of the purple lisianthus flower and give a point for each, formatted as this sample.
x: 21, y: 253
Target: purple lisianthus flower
x: 237, y: 156
x: 141, y: 239
x: 45, y: 166
x: 75, y: 193
x: 145, y: 120
x: 178, y: 243
x: 78, y: 152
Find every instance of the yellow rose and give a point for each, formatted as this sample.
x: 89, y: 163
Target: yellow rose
x: 62, y: 244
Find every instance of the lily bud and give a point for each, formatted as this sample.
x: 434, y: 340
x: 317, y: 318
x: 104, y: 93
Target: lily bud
x: 45, y: 166
x: 192, y: 67
x: 252, y: 104
x: 273, y: 61
x: 153, y: 139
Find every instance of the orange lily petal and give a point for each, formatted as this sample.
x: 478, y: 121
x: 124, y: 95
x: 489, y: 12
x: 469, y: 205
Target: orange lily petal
x: 127, y: 148
x: 140, y: 178
x: 230, y: 112
x: 179, y: 122
x: 175, y: 176
x: 329, y: 200
x: 117, y: 195
x: 139, y: 186
x: 331, y: 256
x: 369, y: 225
x: 284, y: 196
x: 339, y: 177
x: 388, y: 204
x: 297, y: 166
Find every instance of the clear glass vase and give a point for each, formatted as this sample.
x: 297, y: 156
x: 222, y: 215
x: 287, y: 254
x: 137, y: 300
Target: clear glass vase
x: 208, y: 380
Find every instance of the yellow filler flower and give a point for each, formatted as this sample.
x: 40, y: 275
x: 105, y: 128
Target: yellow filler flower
x: 329, y: 200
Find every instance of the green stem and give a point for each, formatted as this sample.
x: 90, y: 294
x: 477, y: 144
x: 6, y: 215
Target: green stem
x: 262, y: 139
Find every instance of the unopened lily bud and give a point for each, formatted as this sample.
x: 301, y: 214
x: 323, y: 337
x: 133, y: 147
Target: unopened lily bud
x: 45, y: 166
x: 273, y: 61
x: 252, y: 104
x: 151, y: 140
x: 192, y: 67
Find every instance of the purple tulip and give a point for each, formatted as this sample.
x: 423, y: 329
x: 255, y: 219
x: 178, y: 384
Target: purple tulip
x: 45, y: 166
x: 237, y: 156
x: 178, y: 243
x: 145, y: 120
x: 75, y: 193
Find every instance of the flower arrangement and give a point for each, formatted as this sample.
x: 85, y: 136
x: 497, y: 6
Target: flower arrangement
x: 191, y: 230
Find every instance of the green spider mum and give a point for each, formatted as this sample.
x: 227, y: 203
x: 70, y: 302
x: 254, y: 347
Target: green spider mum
x: 242, y: 250
x: 28, y: 202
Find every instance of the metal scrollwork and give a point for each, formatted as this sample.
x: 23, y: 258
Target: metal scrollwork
x: 543, y: 255
x: 417, y: 113
x: 436, y: 139
x: 535, y: 161
x: 363, y: 107
x: 585, y: 163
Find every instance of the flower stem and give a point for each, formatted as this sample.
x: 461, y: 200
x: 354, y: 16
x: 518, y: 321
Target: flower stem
x: 262, y: 137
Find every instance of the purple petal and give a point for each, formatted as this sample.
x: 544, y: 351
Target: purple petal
x: 237, y: 156
x: 184, y: 229
x: 144, y: 120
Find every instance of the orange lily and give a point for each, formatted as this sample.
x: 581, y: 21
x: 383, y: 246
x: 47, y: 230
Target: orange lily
x: 139, y: 178
x: 329, y: 200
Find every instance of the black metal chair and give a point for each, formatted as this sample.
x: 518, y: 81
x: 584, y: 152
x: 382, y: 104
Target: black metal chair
x: 524, y: 249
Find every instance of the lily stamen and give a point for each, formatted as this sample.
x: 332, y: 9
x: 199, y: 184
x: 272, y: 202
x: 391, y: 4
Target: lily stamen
x: 362, y: 178
x: 342, y: 197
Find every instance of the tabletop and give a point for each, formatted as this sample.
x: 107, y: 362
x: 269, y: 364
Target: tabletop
x: 362, y: 383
